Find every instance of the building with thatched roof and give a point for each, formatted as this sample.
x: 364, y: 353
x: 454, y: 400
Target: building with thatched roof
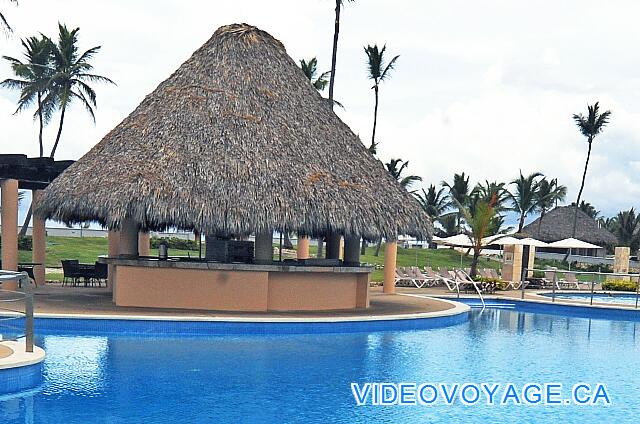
x: 235, y: 142
x: 557, y: 224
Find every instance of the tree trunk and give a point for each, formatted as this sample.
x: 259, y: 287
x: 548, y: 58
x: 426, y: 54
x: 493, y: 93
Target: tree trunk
x: 378, y: 247
x: 372, y: 149
x: 286, y: 244
x: 41, y: 124
x: 521, y: 222
x: 540, y: 221
x: 336, y: 31
x: 474, y: 265
x: 363, y: 247
x: 575, y: 214
x: 25, y: 224
x: 27, y: 219
x: 320, y: 253
x: 584, y: 176
x: 55, y: 145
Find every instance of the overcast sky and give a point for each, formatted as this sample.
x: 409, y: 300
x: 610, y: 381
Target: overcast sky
x: 485, y: 87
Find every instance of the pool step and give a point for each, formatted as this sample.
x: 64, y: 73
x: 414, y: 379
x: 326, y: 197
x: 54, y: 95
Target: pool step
x: 493, y: 305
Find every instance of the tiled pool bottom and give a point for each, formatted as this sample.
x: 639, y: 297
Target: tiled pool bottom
x: 307, y: 377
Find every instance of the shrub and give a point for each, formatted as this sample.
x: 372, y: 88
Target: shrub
x: 620, y: 285
x: 24, y: 243
x: 174, y: 243
x: 500, y: 285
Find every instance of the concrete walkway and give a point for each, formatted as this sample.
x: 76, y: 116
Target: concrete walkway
x: 55, y: 299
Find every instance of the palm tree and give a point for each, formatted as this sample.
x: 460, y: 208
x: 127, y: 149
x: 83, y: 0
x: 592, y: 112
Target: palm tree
x: 549, y: 194
x: 310, y: 69
x: 627, y: 228
x: 433, y: 202
x: 524, y: 199
x: 334, y: 55
x: 396, y: 167
x: 3, y: 21
x: 478, y: 222
x: 449, y: 225
x: 608, y: 223
x: 71, y: 75
x: 589, y: 126
x: 396, y: 172
x: 378, y: 72
x: 458, y: 193
x: 588, y: 209
x: 32, y: 79
x: 490, y: 189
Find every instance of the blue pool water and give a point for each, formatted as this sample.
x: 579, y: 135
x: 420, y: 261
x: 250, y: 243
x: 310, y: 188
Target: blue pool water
x: 613, y: 298
x: 306, y: 378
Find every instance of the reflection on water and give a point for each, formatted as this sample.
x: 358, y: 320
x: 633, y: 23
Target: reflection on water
x: 75, y: 364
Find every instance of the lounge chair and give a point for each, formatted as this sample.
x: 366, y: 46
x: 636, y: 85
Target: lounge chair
x: 517, y: 285
x: 469, y: 283
x: 569, y: 281
x: 434, y: 278
x: 419, y: 279
x: 448, y: 279
x: 484, y: 273
x: 549, y: 278
x: 402, y: 278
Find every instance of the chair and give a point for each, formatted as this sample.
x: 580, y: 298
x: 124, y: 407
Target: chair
x: 570, y: 281
x: 71, y: 271
x: 101, y: 273
x: 402, y: 278
x: 517, y: 285
x: 29, y: 270
x: 448, y: 278
x: 548, y: 280
x: 486, y: 273
x: 418, y: 278
x: 433, y: 277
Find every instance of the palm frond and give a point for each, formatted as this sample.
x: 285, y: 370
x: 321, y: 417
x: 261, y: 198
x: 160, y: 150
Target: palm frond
x: 390, y: 66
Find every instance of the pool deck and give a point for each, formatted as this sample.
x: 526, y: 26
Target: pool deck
x: 55, y: 299
x: 5, y: 351
x: 533, y: 295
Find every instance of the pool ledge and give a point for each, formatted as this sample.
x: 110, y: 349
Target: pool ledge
x: 538, y: 298
x: 456, y: 308
x: 19, y: 357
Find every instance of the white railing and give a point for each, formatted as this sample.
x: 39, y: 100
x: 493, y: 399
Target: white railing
x: 10, y: 297
x: 555, y: 284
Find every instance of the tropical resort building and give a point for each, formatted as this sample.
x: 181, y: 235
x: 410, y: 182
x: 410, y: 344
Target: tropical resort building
x: 557, y: 225
x: 236, y: 142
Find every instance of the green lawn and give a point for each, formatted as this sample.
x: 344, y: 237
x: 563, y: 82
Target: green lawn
x: 420, y: 257
x: 87, y: 250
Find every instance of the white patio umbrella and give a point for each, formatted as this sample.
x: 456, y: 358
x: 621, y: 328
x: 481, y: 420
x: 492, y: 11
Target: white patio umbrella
x: 534, y: 242
x: 573, y: 243
x: 459, y: 240
x: 500, y: 240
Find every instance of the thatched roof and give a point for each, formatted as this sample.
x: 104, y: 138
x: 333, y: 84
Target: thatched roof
x: 557, y: 224
x: 236, y: 140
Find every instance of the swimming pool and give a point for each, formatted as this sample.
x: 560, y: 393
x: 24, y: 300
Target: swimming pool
x: 613, y: 298
x: 113, y: 378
